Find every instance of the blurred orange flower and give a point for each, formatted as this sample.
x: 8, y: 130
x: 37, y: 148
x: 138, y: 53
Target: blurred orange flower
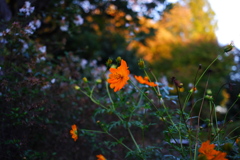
x: 208, y: 150
x: 238, y: 140
x: 73, y: 132
x: 145, y: 80
x: 220, y: 156
x: 119, y: 77
x: 100, y: 157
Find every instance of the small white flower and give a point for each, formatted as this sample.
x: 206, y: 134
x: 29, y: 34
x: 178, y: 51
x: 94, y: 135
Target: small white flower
x: 83, y: 63
x: 7, y: 30
x: 27, y: 4
x: 78, y: 20
x: 42, y: 49
x: 87, y: 7
x: 40, y: 59
x: 64, y: 27
x: 53, y: 80
x: 27, y: 9
x: 29, y: 70
x: 43, y: 59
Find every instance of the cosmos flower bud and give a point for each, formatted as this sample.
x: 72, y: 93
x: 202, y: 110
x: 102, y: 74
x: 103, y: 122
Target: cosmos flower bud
x: 76, y: 87
x: 228, y: 48
x: 85, y: 79
x: 177, y: 83
x: 209, y: 97
x: 109, y: 62
x: 209, y: 92
x: 98, y: 81
x: 141, y: 63
x: 200, y: 66
x: 118, y: 60
x: 162, y: 119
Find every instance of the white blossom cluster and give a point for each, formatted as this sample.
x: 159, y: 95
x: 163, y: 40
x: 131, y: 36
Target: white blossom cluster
x: 27, y: 9
x: 32, y: 26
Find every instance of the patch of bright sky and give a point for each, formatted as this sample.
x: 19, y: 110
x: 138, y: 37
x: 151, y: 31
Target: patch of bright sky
x: 226, y: 14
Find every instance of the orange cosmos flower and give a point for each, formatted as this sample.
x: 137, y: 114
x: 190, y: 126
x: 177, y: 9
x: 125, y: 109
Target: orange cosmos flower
x: 73, y: 132
x: 238, y: 141
x: 100, y: 157
x: 119, y: 77
x: 208, y: 150
x: 220, y: 156
x: 145, y: 80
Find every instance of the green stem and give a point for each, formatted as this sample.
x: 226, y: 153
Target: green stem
x: 93, y: 100
x: 144, y: 94
x: 232, y: 131
x: 190, y: 93
x: 230, y: 108
x: 156, y: 89
x: 109, y: 95
x: 119, y: 141
x: 109, y: 135
x: 134, y: 141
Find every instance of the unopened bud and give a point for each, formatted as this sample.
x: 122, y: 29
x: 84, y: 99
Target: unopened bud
x: 162, y: 119
x: 141, y: 64
x: 210, y: 125
x: 209, y: 92
x: 200, y: 66
x: 208, y: 97
x: 228, y: 48
x: 177, y: 83
x: 98, y: 81
x: 118, y: 60
x: 85, y: 79
x: 109, y: 62
x: 76, y: 87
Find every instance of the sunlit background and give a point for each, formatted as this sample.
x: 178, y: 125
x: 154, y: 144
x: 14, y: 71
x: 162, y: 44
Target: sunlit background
x: 227, y: 12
